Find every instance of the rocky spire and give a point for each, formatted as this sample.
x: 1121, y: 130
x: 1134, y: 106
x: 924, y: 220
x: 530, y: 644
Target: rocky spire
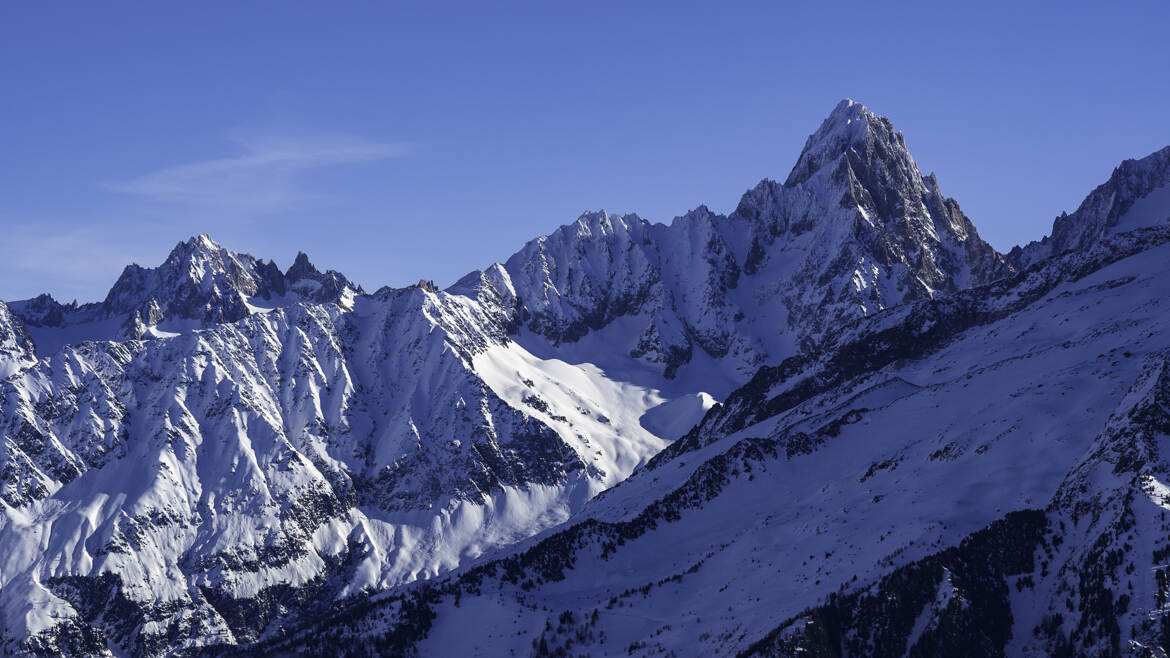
x: 857, y: 158
x: 302, y: 268
x: 849, y: 126
x: 199, y: 280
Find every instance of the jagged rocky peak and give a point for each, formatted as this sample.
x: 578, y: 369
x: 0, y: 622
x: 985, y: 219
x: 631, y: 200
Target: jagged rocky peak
x: 199, y: 280
x: 584, y: 274
x: 16, y: 348
x: 856, y: 228
x: 314, y: 285
x: 195, y: 246
x: 199, y: 284
x: 868, y: 158
x: 863, y: 153
x: 859, y: 227
x: 301, y: 268
x: 200, y: 256
x: 597, y: 229
x: 850, y: 126
x: 902, y: 216
x: 43, y: 310
x: 200, y: 277
x: 1137, y: 195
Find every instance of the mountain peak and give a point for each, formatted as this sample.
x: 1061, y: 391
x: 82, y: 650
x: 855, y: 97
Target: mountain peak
x: 201, y: 242
x: 198, y: 244
x: 849, y: 124
x: 302, y: 267
x: 848, y: 110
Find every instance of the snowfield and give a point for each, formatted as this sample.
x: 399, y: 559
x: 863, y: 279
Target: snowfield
x: 834, y: 421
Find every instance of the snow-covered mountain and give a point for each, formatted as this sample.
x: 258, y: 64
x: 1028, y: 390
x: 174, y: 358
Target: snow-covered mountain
x: 218, y: 479
x: 201, y: 284
x: 16, y: 348
x: 854, y: 229
x: 1134, y: 196
x: 222, y: 457
x: 976, y: 474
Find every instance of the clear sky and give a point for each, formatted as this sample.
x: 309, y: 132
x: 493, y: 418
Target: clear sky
x: 399, y: 141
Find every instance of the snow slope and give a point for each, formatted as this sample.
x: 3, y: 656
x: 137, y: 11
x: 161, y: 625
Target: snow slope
x: 16, y: 348
x: 977, y: 474
x: 222, y: 455
x: 310, y: 451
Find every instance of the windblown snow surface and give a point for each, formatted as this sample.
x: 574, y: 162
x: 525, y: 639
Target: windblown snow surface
x: 834, y: 421
x: 731, y: 546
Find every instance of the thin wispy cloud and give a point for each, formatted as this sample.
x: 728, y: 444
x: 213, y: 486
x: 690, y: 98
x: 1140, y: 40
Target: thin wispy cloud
x: 266, y: 174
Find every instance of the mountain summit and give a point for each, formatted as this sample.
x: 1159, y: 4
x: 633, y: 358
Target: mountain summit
x: 834, y: 418
x: 850, y: 127
x: 200, y: 284
x: 301, y: 268
x: 856, y: 228
x: 199, y: 280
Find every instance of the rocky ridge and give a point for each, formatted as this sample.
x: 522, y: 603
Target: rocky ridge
x: 279, y: 461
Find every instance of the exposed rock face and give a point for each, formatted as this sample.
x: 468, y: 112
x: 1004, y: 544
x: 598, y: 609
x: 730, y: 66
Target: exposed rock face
x: 301, y: 269
x: 16, y: 348
x: 855, y: 228
x: 221, y: 479
x: 317, y: 286
x: 409, y: 404
x: 1084, y: 577
x: 1101, y: 212
x: 921, y: 446
x: 978, y: 474
x: 906, y: 218
x: 199, y: 281
x: 201, y: 284
x: 44, y: 311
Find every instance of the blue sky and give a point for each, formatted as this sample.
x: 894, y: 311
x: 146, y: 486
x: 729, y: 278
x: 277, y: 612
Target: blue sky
x: 399, y: 141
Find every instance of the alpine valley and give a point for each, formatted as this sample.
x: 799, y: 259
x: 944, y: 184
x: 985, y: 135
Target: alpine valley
x: 834, y: 422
